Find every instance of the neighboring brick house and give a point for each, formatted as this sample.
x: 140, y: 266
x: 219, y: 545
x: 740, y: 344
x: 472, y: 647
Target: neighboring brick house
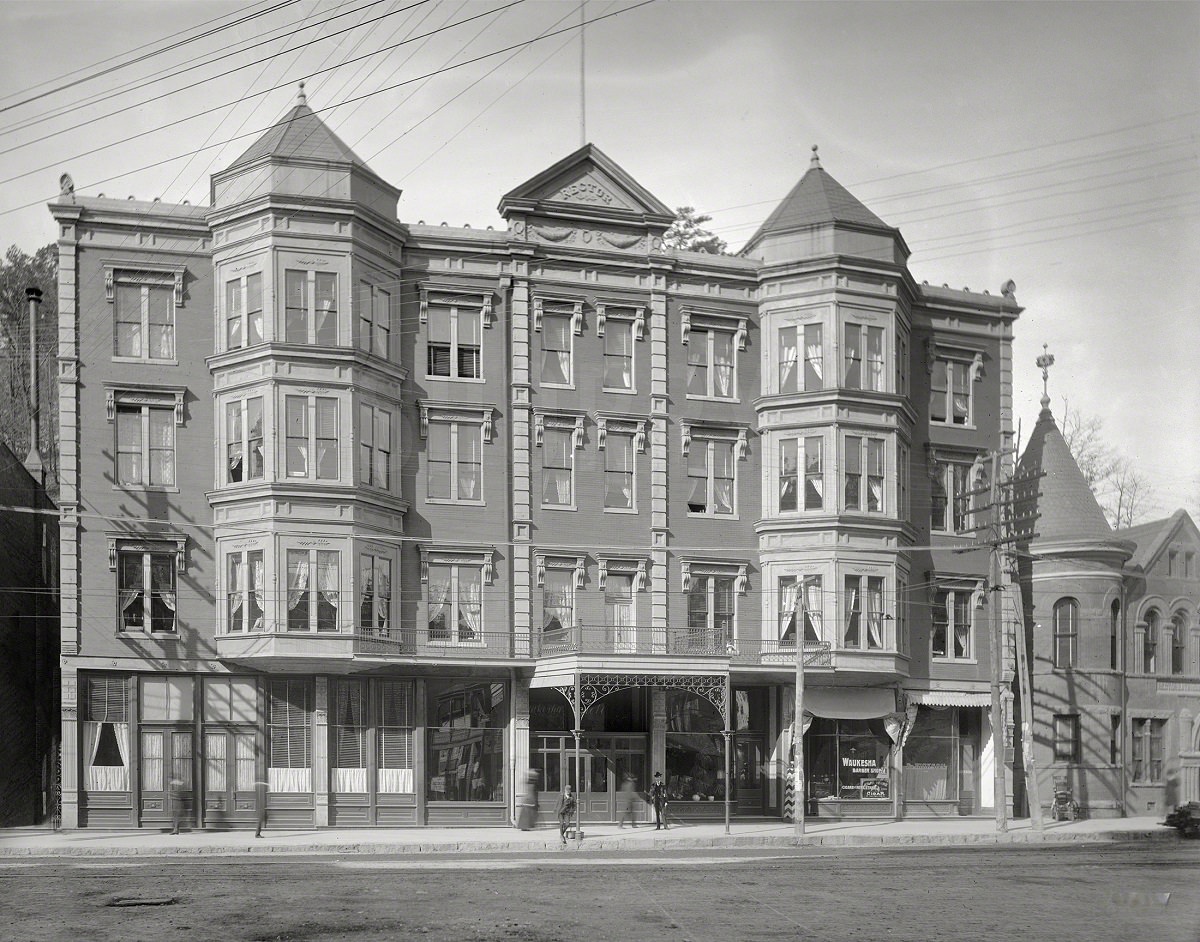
x: 371, y: 509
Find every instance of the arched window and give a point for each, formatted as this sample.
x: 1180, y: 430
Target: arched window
x: 1178, y: 641
x: 1114, y: 635
x: 1066, y: 630
x: 1150, y: 644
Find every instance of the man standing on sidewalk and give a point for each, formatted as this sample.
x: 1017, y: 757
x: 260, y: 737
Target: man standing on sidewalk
x: 260, y: 806
x: 658, y: 797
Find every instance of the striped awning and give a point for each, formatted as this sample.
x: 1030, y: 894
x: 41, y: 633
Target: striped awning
x: 945, y: 698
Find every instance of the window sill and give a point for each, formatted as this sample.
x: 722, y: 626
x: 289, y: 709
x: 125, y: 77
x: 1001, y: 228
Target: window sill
x: 147, y: 488
x: 711, y: 516
x: 556, y: 385
x: 136, y: 634
x: 570, y: 507
x: 452, y: 502
x: 620, y: 510
x: 733, y: 400
x: 965, y: 428
x: 934, y: 659
x: 616, y: 391
x: 305, y: 479
x: 455, y: 379
x: 147, y: 361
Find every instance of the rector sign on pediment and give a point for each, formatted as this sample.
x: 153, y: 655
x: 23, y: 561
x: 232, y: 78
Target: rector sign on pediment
x: 588, y: 188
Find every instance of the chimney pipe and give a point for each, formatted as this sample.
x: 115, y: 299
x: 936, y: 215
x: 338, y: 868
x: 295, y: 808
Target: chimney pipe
x: 33, y: 463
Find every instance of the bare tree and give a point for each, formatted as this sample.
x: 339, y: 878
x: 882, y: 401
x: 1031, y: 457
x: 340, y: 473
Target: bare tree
x: 1127, y: 494
x: 1084, y: 437
x: 1123, y: 493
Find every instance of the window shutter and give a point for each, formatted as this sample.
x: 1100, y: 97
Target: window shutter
x: 107, y: 699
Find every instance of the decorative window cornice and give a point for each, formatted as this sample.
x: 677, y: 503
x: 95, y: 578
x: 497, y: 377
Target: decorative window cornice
x: 452, y: 295
x: 689, y: 429
x: 740, y: 571
x: 463, y: 554
x: 544, y: 304
x: 136, y: 394
x: 934, y: 351
x: 620, y: 422
x: 737, y: 324
x: 576, y: 562
x: 624, y: 311
x: 172, y: 543
x: 464, y: 412
x: 563, y: 421
x: 138, y: 273
x: 638, y: 567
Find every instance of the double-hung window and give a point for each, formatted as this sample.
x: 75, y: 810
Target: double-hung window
x: 145, y: 445
x: 1066, y: 632
x: 557, y: 349
x: 455, y: 602
x: 455, y: 462
x: 244, y: 311
x: 146, y: 590
x: 244, y: 452
x: 455, y: 344
x: 374, y: 320
x: 712, y: 477
x: 950, y: 502
x: 1147, y: 753
x: 311, y: 437
x: 814, y: 474
x: 313, y: 590
x: 801, y: 602
x: 144, y: 316
x: 863, y: 355
x: 375, y: 593
x: 864, y: 492
x: 711, y: 364
x: 618, y: 356
x: 558, y: 599
x: 374, y: 447
x: 711, y: 612
x: 950, y: 390
x: 1178, y: 632
x: 558, y: 468
x: 863, y: 613
x: 1067, y: 745
x: 800, y: 357
x: 310, y: 308
x: 789, y: 474
x: 245, y: 585
x: 619, y: 471
x: 1150, y: 644
x: 952, y: 635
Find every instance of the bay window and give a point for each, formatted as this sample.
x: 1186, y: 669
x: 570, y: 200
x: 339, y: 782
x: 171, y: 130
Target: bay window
x: 789, y: 474
x: 375, y: 594
x: 800, y: 344
x: 863, y: 356
x: 863, y: 613
x: 244, y: 311
x: 311, y: 424
x: 244, y: 452
x: 374, y: 320
x: 864, y: 492
x: 814, y: 474
x: 313, y: 589
x: 245, y: 585
x: 310, y: 308
x: 801, y: 601
x: 374, y: 446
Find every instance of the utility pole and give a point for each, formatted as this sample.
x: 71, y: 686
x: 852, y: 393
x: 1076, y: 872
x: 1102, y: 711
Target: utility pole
x: 798, y: 796
x: 1000, y: 794
x: 33, y: 463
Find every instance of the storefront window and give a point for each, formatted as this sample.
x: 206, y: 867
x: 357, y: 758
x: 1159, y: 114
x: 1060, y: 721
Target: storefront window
x: 847, y: 759
x: 466, y: 740
x: 695, y: 749
x: 931, y: 756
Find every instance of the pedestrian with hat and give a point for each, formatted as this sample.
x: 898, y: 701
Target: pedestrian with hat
x: 658, y: 797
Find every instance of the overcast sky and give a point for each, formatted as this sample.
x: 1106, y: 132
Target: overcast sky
x: 1053, y: 144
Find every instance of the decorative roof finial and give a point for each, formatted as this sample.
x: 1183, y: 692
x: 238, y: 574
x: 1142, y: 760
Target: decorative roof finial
x: 816, y: 159
x: 1045, y: 361
x: 300, y: 99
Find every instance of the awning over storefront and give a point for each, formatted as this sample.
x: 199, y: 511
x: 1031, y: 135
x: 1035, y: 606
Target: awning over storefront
x: 549, y: 681
x: 947, y: 698
x: 849, y: 703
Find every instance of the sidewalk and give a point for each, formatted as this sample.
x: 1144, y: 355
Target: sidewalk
x: 34, y: 842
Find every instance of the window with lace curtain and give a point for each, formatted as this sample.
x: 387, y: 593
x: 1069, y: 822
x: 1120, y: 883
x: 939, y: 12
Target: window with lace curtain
x: 245, y: 585
x: 146, y: 591
x: 618, y: 356
x: 374, y: 446
x: 244, y: 311
x: 712, y: 477
x: 558, y: 468
x: 311, y: 437
x: 558, y: 599
x: 454, y: 461
x: 455, y: 602
x: 244, y: 452
x: 104, y: 708
x: 863, y: 613
x: 557, y: 348
x: 950, y: 392
x: 863, y: 355
x: 310, y: 312
x: 145, y: 445
x: 863, y: 492
x: 375, y: 593
x: 144, y: 316
x: 950, y: 502
x: 313, y: 590
x: 800, y: 358
x: 801, y: 602
x: 952, y: 638
x: 619, y: 471
x: 711, y: 364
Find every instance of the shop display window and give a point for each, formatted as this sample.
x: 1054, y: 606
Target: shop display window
x: 466, y: 740
x: 847, y: 759
x: 695, y: 749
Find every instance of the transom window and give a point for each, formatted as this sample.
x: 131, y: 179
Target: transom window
x: 244, y: 311
x: 310, y: 308
x: 796, y: 344
x: 952, y: 635
x: 144, y: 317
x: 455, y: 602
x: 374, y: 447
x: 710, y: 363
x: 1146, y: 757
x: 375, y: 599
x: 146, y: 590
x: 618, y: 355
x: 950, y: 392
x: 245, y: 585
x: 864, y: 613
x: 145, y: 445
x: 455, y: 345
x: 311, y: 443
x: 712, y: 477
x: 1066, y: 632
x: 244, y: 452
x: 455, y: 462
x: 864, y: 357
x: 801, y: 601
x: 313, y: 589
x: 374, y: 320
x: 864, y: 491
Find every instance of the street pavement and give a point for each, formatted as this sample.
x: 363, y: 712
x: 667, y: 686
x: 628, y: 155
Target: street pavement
x: 86, y: 842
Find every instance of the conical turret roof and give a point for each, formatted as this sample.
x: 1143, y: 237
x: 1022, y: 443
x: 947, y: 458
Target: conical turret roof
x: 300, y: 135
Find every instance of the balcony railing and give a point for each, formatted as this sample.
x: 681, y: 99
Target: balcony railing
x: 686, y: 642
x: 400, y: 643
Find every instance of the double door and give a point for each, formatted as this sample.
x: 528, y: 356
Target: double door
x: 229, y: 764
x: 166, y: 775
x: 604, y: 761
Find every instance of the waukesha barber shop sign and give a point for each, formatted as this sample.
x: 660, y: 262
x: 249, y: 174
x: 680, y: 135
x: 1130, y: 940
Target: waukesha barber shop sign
x: 872, y: 778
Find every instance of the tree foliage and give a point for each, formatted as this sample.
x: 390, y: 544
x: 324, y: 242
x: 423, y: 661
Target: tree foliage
x: 1123, y: 493
x: 19, y: 271
x: 686, y: 233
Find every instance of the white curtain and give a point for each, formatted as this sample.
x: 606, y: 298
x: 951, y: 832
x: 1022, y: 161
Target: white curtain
x: 812, y: 353
x: 874, y: 615
x: 350, y: 780
x: 788, y: 353
x: 876, y: 487
x: 244, y: 754
x: 439, y: 597
x: 327, y: 577
x: 152, y: 762
x: 789, y: 598
x: 812, y: 609
x: 383, y: 594
x: 395, y: 781
x: 852, y: 619
x: 723, y: 364
x: 470, y: 603
x: 297, y: 587
x: 258, y: 571
x: 237, y: 570
x: 289, y: 781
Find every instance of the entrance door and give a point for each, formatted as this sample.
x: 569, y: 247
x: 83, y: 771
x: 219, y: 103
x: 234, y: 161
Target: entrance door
x: 166, y: 755
x: 229, y: 758
x: 748, y: 763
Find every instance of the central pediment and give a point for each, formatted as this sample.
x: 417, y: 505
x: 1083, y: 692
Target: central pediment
x: 587, y: 184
